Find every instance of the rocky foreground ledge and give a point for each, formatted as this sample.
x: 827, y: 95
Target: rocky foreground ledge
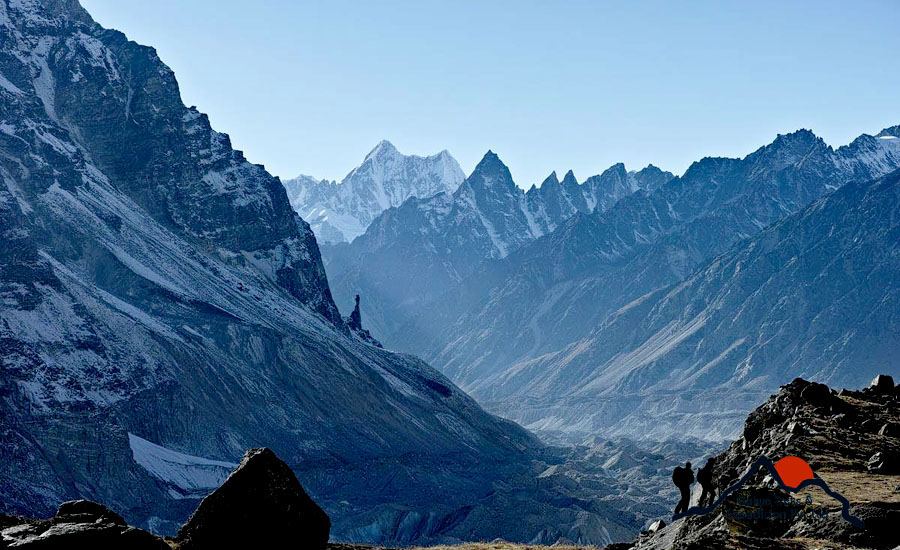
x: 851, y: 439
x: 260, y: 505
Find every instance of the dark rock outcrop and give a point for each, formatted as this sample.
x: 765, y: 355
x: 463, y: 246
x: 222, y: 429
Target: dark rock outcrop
x: 853, y: 460
x: 259, y: 505
x: 77, y: 524
x: 354, y: 323
x: 884, y: 462
x: 882, y: 384
x: 890, y: 429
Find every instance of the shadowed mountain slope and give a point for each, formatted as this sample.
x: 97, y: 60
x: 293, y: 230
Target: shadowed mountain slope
x: 162, y: 308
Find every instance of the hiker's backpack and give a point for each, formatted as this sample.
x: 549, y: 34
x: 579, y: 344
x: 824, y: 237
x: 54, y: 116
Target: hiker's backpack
x: 704, y: 475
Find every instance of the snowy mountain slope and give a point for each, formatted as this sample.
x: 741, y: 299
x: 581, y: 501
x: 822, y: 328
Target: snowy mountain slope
x: 816, y: 295
x: 340, y: 212
x: 413, y: 253
x: 162, y: 308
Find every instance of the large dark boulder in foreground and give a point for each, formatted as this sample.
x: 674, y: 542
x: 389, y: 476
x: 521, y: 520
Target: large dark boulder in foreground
x: 260, y: 505
x: 77, y: 524
x: 882, y: 384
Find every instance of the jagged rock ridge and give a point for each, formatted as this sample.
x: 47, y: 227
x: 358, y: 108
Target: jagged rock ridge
x: 412, y: 254
x: 813, y: 295
x: 520, y: 330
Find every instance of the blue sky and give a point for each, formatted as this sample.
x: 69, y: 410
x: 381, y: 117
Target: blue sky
x: 310, y: 87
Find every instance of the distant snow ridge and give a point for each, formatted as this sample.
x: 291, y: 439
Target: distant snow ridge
x: 339, y: 212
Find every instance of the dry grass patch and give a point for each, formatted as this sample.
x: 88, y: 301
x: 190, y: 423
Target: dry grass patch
x: 857, y: 487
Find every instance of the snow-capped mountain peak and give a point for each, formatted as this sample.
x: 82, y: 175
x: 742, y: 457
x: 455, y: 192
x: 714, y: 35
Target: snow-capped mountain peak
x: 384, y: 148
x: 339, y: 212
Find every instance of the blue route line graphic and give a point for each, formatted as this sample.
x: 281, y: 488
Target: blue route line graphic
x: 763, y: 461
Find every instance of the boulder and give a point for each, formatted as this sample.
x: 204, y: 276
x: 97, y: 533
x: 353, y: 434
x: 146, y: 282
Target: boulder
x: 85, y: 511
x: 78, y: 524
x: 890, y: 430
x: 817, y: 395
x: 260, y: 505
x: 656, y: 526
x: 796, y: 428
x: 869, y: 426
x: 882, y: 384
x: 843, y: 420
x: 883, y: 463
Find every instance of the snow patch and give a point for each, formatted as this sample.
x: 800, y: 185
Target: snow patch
x: 9, y: 86
x: 16, y: 191
x: 187, y: 476
x: 44, y: 85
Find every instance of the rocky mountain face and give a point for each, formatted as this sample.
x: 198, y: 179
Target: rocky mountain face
x: 838, y: 434
x: 813, y: 295
x: 556, y: 201
x: 340, y: 212
x: 162, y: 308
x: 410, y: 255
x: 520, y: 333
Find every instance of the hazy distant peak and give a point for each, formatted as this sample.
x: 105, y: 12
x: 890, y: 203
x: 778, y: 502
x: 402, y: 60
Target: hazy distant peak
x: 491, y: 164
x: 802, y: 137
x: 891, y: 132
x: 385, y: 178
x: 551, y: 179
x: 384, y: 148
x: 569, y: 179
x: 616, y: 169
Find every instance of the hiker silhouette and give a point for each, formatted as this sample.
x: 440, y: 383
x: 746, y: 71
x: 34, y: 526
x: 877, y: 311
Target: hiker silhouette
x: 705, y: 479
x: 683, y: 478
